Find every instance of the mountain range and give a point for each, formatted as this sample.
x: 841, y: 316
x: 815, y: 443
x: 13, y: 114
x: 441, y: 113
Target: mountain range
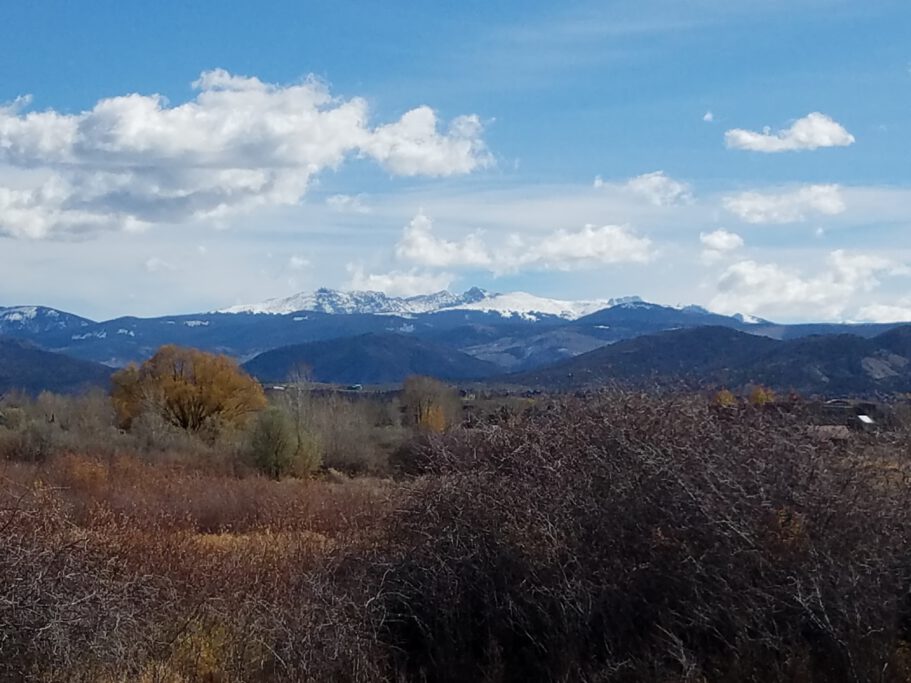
x: 519, y: 304
x: 718, y: 357
x: 369, y: 337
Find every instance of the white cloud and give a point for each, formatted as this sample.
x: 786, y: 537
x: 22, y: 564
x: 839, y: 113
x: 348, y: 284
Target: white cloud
x: 38, y: 212
x: 590, y: 246
x: 886, y: 313
x: 708, y: 117
x: 786, y: 207
x: 559, y: 250
x: 769, y: 289
x: 413, y: 146
x: 133, y: 160
x: 721, y: 240
x: 398, y: 283
x: 660, y: 189
x: 718, y: 243
x: 419, y: 245
x: 811, y: 132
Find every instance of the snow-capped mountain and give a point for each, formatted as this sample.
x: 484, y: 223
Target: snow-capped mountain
x: 372, y: 303
x: 516, y: 331
x: 18, y: 320
x: 519, y: 304
x: 531, y: 307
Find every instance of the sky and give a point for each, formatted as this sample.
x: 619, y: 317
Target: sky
x: 170, y: 157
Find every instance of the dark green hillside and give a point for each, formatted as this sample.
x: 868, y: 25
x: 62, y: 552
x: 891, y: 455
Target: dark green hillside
x: 369, y: 359
x: 26, y: 367
x: 693, y: 356
x: 717, y: 356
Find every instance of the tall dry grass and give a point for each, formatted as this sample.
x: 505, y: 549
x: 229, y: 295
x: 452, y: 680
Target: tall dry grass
x: 118, y: 569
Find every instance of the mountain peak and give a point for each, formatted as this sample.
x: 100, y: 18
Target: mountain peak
x: 36, y: 319
x: 475, y: 294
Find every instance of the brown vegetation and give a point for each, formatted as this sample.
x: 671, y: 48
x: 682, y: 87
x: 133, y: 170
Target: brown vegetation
x: 430, y: 405
x: 612, y: 538
x: 187, y: 388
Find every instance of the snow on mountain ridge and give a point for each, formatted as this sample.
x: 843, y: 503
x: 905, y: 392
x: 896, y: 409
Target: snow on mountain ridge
x: 34, y: 319
x: 522, y: 304
x: 531, y: 307
x: 337, y: 302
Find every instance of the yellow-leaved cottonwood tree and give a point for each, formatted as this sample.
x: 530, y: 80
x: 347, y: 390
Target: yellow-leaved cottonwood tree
x: 187, y: 388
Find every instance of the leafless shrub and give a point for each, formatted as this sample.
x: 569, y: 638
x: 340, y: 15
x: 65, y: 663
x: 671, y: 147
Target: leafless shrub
x: 355, y: 436
x: 643, y: 539
x: 65, y: 606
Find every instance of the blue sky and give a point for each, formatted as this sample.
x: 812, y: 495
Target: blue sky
x: 747, y: 156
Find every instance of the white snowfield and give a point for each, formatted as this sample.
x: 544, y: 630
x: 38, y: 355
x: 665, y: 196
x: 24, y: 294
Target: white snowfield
x: 520, y: 304
x: 334, y: 301
x: 531, y: 307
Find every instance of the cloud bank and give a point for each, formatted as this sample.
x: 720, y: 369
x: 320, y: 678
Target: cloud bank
x: 564, y: 250
x: 398, y: 283
x: 786, y: 207
x: 133, y: 161
x: 769, y: 289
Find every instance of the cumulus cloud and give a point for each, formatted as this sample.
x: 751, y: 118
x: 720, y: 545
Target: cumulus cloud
x: 590, y: 246
x: 721, y: 240
x: 786, y: 207
x: 133, y: 160
x: 420, y: 245
x: 811, y: 132
x: 660, y: 189
x: 718, y: 243
x: 413, y: 145
x: 708, y: 117
x: 35, y: 212
x: 398, y: 283
x: 559, y: 250
x: 767, y: 288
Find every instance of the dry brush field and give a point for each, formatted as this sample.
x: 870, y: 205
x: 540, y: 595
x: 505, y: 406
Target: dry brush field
x: 619, y: 538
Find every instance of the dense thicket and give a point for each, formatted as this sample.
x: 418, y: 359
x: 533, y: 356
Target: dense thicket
x: 642, y: 539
